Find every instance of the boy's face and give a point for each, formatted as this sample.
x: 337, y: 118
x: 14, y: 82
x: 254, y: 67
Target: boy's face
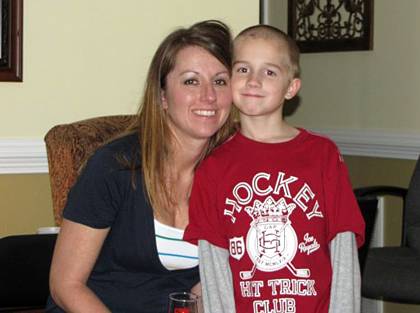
x: 261, y: 78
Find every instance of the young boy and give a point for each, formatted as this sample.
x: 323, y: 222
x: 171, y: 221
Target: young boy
x: 275, y: 197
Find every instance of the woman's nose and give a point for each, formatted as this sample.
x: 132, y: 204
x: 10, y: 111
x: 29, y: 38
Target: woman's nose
x: 208, y: 93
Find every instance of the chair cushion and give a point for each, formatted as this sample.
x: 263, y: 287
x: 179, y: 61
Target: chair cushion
x: 394, y: 273
x: 70, y: 145
x: 25, y: 263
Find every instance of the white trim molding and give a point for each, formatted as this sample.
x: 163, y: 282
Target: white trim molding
x: 375, y: 143
x: 25, y: 156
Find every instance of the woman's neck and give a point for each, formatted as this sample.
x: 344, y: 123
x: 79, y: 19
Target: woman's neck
x: 179, y: 174
x: 184, y: 156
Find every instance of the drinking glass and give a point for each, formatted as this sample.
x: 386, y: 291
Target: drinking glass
x: 183, y: 302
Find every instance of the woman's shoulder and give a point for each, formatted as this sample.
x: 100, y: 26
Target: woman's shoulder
x: 120, y: 153
x: 125, y: 143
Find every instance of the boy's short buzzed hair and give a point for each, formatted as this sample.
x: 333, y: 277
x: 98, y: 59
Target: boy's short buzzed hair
x: 271, y: 32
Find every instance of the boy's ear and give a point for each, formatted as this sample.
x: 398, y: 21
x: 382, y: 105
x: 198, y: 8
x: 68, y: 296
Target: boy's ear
x: 293, y: 88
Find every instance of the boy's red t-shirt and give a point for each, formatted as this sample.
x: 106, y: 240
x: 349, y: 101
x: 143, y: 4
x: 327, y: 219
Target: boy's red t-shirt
x: 275, y: 207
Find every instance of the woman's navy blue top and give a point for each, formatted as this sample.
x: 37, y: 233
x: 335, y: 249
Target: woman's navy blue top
x: 128, y: 275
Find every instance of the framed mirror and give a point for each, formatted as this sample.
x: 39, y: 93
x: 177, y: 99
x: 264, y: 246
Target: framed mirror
x: 324, y: 25
x: 11, y: 28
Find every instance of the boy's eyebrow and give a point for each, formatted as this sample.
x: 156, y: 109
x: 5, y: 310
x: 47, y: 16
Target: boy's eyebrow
x: 266, y: 63
x: 274, y: 65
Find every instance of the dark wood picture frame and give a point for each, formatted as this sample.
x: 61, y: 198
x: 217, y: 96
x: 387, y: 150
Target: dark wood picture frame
x: 11, y: 19
x: 331, y: 25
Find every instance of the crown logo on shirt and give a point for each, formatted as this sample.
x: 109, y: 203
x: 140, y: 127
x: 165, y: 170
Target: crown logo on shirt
x: 270, y: 209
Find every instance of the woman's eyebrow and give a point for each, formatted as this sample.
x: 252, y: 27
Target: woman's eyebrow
x: 222, y: 73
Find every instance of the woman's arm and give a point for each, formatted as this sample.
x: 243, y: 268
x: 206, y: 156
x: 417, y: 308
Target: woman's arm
x: 216, y: 278
x: 75, y: 254
x: 346, y: 280
x: 197, y: 290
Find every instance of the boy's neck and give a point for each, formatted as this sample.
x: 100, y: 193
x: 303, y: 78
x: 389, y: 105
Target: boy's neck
x: 268, y: 131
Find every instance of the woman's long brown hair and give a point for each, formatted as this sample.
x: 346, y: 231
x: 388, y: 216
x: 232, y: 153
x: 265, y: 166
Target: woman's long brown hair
x: 153, y: 130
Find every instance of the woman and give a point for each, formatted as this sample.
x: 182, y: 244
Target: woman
x: 108, y: 257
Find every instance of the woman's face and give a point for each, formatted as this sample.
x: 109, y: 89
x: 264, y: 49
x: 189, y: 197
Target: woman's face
x: 197, y: 96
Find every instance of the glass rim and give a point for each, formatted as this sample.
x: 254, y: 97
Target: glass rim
x: 192, y: 297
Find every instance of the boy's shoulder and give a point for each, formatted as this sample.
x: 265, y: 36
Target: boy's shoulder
x: 320, y: 139
x: 324, y: 145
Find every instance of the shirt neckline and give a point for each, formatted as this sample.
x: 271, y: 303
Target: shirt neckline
x: 242, y: 139
x: 168, y: 227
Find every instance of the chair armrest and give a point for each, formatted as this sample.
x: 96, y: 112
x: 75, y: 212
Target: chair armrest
x: 372, y: 192
x: 375, y: 191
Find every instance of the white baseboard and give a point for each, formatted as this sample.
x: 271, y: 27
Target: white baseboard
x: 25, y: 156
x: 375, y: 143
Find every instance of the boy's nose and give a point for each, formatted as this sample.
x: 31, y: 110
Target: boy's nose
x: 254, y: 81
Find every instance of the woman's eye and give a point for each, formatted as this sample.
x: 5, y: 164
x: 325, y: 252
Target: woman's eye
x: 190, y: 82
x: 221, y: 82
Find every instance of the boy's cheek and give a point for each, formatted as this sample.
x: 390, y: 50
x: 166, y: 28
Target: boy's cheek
x: 236, y: 81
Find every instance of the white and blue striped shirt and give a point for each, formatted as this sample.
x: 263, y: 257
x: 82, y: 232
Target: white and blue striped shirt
x: 174, y: 253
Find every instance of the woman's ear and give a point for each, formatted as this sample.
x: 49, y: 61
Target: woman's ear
x: 293, y: 88
x: 163, y: 99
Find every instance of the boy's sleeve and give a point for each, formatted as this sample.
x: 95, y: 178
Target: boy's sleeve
x: 343, y: 210
x: 346, y: 282
x: 216, y: 278
x: 204, y: 210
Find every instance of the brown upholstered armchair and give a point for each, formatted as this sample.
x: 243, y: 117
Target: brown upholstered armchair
x: 69, y: 146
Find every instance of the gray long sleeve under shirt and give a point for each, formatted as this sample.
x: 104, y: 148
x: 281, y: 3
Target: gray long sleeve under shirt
x: 216, y: 277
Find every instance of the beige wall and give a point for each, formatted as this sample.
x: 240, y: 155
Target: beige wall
x: 366, y: 171
x: 376, y: 89
x: 83, y: 59
x: 88, y: 58
x: 25, y: 203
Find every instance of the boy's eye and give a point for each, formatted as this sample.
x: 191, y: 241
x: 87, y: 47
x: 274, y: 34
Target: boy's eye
x: 271, y: 73
x: 242, y: 70
x: 190, y: 81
